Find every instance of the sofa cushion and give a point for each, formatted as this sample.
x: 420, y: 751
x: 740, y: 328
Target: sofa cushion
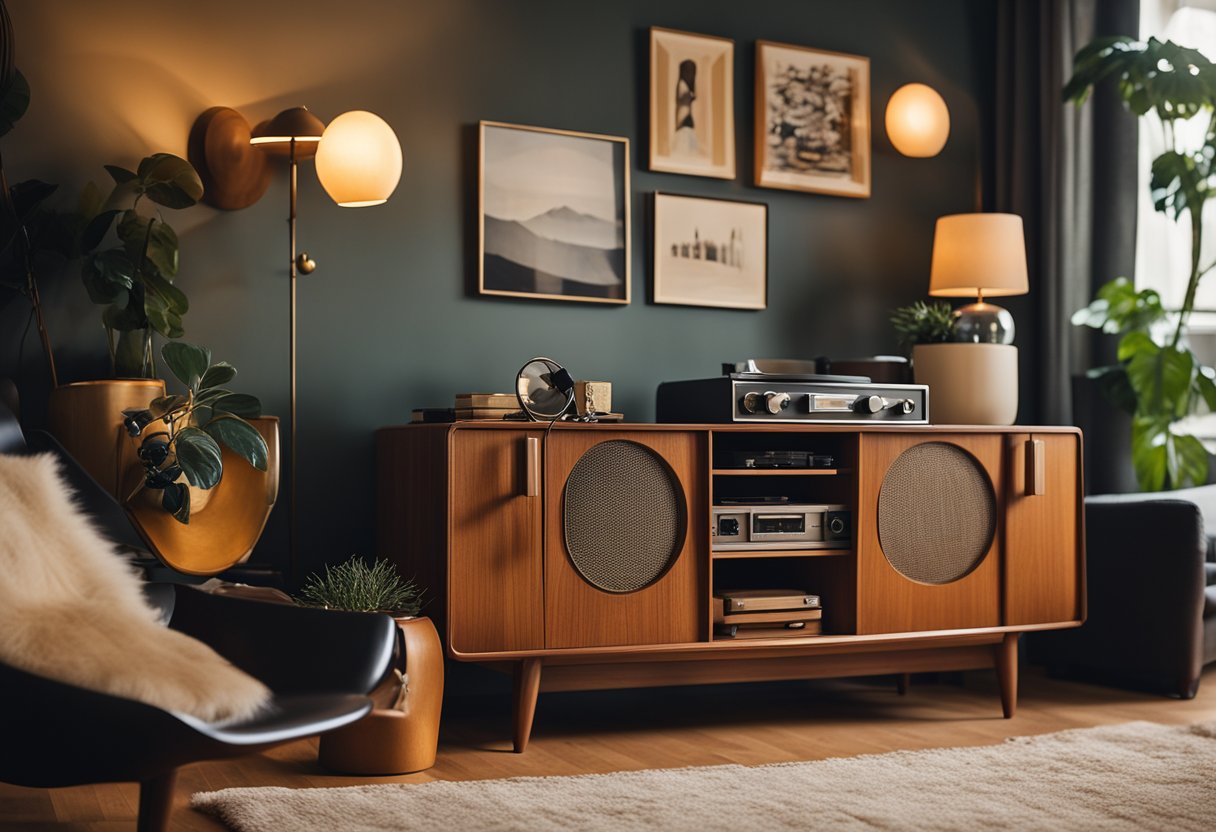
x: 1209, y: 572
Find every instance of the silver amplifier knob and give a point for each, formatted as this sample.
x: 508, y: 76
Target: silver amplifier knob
x: 868, y: 404
x: 776, y: 402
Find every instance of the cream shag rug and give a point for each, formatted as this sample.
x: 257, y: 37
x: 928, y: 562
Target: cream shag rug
x: 1124, y: 777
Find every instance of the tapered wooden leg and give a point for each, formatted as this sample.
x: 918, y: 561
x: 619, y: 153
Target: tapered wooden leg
x: 902, y: 681
x: 1007, y: 673
x: 527, y: 686
x: 155, y: 802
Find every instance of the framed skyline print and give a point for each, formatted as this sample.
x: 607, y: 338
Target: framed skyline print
x: 553, y: 217
x: 710, y: 252
x: 692, y: 104
x: 812, y: 120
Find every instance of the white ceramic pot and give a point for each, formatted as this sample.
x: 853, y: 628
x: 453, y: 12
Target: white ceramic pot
x: 969, y: 384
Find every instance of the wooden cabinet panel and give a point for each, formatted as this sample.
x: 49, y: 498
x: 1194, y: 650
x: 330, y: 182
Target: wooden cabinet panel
x: 1042, y: 551
x: 670, y: 610
x: 887, y: 600
x: 495, y: 569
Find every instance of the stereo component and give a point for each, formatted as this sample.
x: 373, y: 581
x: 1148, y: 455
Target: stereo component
x: 800, y: 398
x: 781, y: 459
x: 737, y: 528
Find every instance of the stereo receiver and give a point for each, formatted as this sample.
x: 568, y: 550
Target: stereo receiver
x: 780, y: 527
x: 756, y: 391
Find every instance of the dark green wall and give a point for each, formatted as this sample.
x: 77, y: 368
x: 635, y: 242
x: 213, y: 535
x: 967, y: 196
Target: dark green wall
x: 387, y: 322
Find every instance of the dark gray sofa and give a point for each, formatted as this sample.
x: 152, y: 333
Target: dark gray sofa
x: 1151, y: 575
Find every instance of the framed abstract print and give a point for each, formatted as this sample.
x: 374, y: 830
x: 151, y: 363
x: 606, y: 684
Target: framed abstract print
x: 812, y: 120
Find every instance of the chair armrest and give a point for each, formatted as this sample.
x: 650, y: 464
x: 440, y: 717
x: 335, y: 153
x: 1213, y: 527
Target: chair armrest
x: 291, y: 649
x: 1145, y: 577
x: 1145, y: 557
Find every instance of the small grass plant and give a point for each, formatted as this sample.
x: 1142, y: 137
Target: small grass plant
x: 924, y: 323
x: 359, y: 587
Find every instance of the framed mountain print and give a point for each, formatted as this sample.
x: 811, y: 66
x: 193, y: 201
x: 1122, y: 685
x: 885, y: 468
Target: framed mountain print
x: 553, y: 214
x: 812, y: 120
x: 692, y: 104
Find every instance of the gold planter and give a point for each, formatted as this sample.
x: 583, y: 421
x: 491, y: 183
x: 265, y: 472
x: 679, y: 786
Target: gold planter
x: 397, y: 741
x: 236, y: 512
x: 86, y: 418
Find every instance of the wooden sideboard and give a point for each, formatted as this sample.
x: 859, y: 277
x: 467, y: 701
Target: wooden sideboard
x: 477, y: 512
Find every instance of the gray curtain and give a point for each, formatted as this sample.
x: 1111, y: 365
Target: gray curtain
x: 1071, y: 174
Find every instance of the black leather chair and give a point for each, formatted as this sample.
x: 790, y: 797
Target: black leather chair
x: 320, y: 665
x: 1151, y: 573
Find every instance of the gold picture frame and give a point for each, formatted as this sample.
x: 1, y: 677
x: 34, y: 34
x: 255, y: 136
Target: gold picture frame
x: 553, y: 214
x: 812, y: 120
x: 692, y: 103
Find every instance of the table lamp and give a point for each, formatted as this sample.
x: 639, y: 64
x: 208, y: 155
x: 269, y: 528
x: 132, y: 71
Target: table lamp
x: 976, y: 255
x: 974, y: 379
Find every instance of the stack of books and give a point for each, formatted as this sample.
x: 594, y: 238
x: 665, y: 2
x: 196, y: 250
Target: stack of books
x: 492, y: 406
x: 767, y: 613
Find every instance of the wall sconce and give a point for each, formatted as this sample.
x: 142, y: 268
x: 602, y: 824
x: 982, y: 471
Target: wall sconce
x: 358, y: 161
x: 918, y: 121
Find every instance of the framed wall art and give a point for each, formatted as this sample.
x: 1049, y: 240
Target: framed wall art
x: 553, y: 214
x: 812, y: 120
x: 710, y: 252
x: 692, y: 104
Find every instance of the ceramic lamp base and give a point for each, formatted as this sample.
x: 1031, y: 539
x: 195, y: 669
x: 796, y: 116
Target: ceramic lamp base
x: 969, y: 384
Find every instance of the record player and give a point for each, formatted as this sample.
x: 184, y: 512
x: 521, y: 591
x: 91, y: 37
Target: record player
x: 766, y: 390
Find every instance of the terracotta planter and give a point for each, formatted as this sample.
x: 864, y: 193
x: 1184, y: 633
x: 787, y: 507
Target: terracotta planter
x: 86, y: 418
x: 391, y: 741
x: 969, y: 384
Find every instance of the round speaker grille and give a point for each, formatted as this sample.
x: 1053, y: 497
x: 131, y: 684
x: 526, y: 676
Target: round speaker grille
x: 623, y: 516
x: 936, y: 513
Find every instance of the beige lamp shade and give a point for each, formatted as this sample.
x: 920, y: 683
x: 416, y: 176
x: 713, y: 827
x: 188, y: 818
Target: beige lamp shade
x: 977, y: 255
x: 359, y: 159
x: 918, y: 121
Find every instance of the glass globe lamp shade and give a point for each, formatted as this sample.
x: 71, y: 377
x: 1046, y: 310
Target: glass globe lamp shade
x: 359, y: 159
x: 918, y: 122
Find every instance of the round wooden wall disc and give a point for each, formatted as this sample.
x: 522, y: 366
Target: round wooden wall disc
x: 235, y: 174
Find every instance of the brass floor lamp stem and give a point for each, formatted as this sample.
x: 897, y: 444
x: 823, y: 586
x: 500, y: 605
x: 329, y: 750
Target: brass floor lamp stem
x: 292, y: 553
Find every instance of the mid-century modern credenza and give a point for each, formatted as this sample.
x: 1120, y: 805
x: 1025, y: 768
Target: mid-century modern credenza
x: 538, y: 543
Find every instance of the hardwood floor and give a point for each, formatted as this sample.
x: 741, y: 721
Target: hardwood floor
x: 578, y: 733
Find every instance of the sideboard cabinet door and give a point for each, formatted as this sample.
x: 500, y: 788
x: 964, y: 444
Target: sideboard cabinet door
x: 928, y: 532
x: 1043, y: 578
x: 495, y: 566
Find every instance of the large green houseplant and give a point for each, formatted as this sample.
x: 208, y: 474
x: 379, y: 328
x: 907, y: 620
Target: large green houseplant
x: 1158, y: 379
x: 133, y: 279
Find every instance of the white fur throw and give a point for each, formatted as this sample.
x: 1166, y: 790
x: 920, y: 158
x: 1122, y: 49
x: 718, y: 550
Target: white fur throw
x: 72, y: 610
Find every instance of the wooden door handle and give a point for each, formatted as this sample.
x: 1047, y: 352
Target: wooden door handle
x: 1036, y: 467
x: 532, y: 466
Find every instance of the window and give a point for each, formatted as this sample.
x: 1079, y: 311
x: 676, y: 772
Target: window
x: 1163, y: 246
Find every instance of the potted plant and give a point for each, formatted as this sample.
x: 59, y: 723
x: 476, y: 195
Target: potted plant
x: 207, y: 448
x: 134, y: 280
x: 1158, y: 380
x: 181, y: 435
x: 401, y: 734
x: 969, y: 384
